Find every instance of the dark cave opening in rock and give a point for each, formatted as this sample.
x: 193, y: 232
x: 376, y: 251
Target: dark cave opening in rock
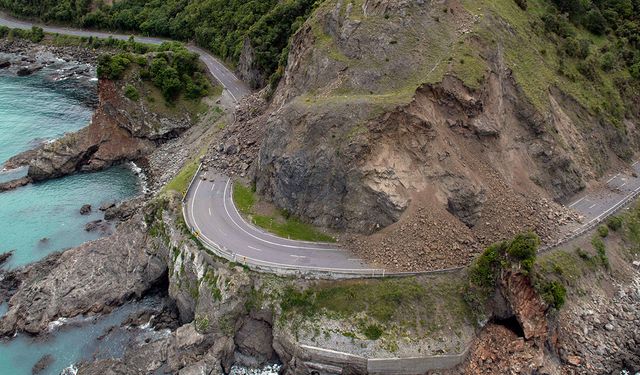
x: 512, y: 324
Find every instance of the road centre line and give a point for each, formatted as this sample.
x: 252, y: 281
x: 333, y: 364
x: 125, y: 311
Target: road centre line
x: 224, y: 201
x: 611, y: 179
x: 576, y: 202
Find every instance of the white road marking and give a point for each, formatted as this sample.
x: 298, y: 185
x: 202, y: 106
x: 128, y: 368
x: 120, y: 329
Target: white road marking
x: 592, y: 206
x: 210, y: 211
x: 576, y: 202
x: 355, y: 259
x: 297, y: 256
x: 224, y: 202
x: 212, y: 186
x: 623, y: 184
x: 612, y: 178
x: 254, y: 248
x: 195, y: 223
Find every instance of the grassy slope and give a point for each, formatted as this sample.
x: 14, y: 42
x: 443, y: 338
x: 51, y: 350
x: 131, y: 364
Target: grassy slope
x: 441, y: 49
x: 279, y: 224
x: 533, y: 57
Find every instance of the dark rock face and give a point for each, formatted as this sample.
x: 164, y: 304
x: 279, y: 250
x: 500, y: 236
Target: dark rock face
x: 92, y: 278
x: 29, y: 70
x: 98, y: 225
x: 4, y: 64
x: 247, y: 71
x: 85, y: 209
x: 254, y: 341
x: 42, y: 364
x: 4, y: 257
x: 123, y: 211
x: 107, y: 205
x: 465, y: 202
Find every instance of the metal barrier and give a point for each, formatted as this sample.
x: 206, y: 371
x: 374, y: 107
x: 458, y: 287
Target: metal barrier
x: 339, y: 273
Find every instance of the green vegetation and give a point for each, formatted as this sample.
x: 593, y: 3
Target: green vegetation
x: 36, y: 34
x: 615, y: 223
x: 372, y: 331
x: 172, y: 69
x: 181, y: 181
x: 131, y: 92
x: 386, y: 309
x: 221, y: 26
x: 379, y: 300
x: 244, y: 198
x: 280, y: 223
x: 212, y: 282
x: 553, y: 293
x: 520, y: 255
x: 202, y: 323
x: 603, y: 231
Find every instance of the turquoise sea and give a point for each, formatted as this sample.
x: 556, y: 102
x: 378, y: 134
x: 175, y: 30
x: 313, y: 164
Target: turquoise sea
x: 38, y: 219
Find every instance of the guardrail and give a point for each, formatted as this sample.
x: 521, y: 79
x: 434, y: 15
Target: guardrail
x: 593, y: 223
x: 259, y: 265
x: 339, y: 273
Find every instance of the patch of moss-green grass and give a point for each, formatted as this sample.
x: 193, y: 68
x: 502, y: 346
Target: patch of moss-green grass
x: 291, y: 228
x: 280, y: 224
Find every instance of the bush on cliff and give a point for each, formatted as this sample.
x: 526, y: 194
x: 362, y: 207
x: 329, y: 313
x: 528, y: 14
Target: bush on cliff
x: 173, y: 69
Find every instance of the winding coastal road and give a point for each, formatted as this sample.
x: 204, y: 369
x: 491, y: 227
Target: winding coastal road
x: 209, y: 208
x: 210, y: 212
x: 236, y: 88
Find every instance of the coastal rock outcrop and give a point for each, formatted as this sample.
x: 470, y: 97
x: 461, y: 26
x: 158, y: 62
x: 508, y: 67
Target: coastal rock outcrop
x: 119, y: 131
x: 92, y: 278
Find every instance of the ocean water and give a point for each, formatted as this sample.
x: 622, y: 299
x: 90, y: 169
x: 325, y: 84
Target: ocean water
x: 38, y: 219
x: 74, y: 340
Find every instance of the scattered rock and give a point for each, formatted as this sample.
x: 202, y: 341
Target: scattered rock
x: 4, y: 64
x: 85, y: 209
x: 5, y: 256
x: 98, y: 225
x: 107, y: 205
x: 43, y: 363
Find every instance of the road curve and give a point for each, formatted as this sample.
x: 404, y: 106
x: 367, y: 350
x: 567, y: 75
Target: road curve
x: 236, y: 88
x: 211, y: 213
x: 209, y: 207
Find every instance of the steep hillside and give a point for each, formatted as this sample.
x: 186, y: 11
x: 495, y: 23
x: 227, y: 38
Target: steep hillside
x: 463, y: 120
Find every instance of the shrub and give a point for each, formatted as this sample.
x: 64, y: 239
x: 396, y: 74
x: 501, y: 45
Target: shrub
x: 113, y: 66
x: 595, y: 22
x: 524, y: 248
x: 608, y: 61
x: 372, y: 331
x: 615, y: 223
x: 553, y: 293
x: 603, y: 231
x: 37, y: 34
x: 131, y: 93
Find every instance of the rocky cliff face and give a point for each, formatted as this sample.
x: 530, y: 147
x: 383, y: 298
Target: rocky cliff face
x: 247, y: 70
x: 390, y: 108
x: 120, y: 130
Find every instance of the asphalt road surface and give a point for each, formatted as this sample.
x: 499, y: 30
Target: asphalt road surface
x: 209, y: 207
x: 600, y: 203
x: 236, y: 88
x: 211, y: 213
